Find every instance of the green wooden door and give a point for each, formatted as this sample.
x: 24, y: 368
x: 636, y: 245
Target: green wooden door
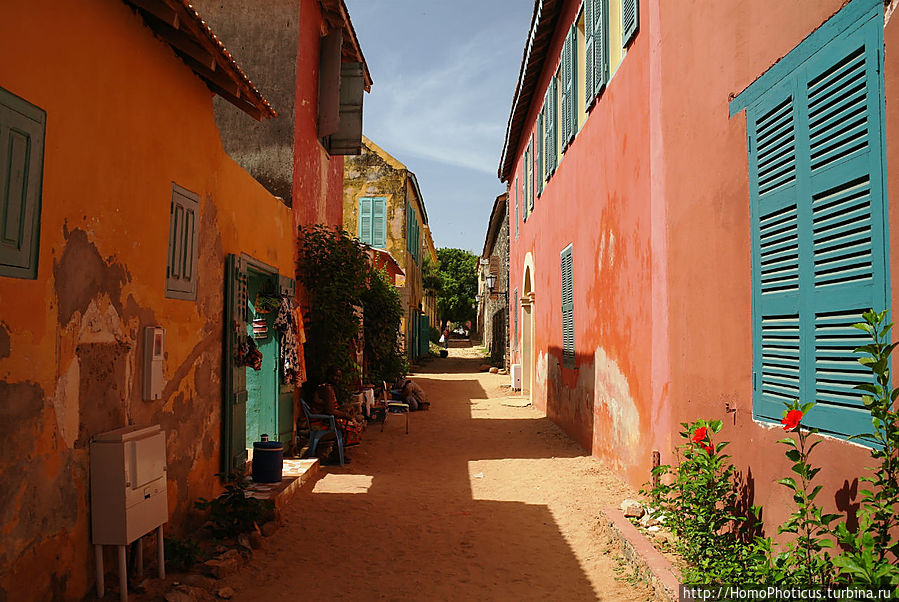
x: 262, y: 384
x: 234, y: 452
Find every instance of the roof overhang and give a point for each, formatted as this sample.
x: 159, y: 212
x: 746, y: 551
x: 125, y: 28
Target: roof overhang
x: 495, y: 224
x: 421, y: 200
x: 543, y: 24
x: 177, y: 24
x: 337, y: 16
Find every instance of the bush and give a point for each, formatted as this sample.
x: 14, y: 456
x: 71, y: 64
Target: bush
x: 232, y: 512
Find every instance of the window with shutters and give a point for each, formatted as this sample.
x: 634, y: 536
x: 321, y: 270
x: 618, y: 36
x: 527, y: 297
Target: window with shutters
x: 373, y: 221
x: 569, y: 92
x: 181, y: 267
x: 818, y: 218
x: 525, y: 171
x: 550, y: 127
x: 21, y: 170
x: 516, y: 207
x: 596, y: 49
x: 531, y: 178
x: 630, y: 20
x: 538, y: 160
x: 567, y: 309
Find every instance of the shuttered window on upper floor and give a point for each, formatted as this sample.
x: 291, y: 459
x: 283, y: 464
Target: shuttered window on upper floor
x: 525, y: 172
x: 568, y: 83
x: 567, y: 308
x: 21, y: 171
x: 181, y: 266
x: 550, y: 127
x: 539, y: 151
x: 531, y: 174
x: 596, y: 51
x: 630, y: 20
x: 373, y: 221
x: 516, y: 207
x: 818, y: 216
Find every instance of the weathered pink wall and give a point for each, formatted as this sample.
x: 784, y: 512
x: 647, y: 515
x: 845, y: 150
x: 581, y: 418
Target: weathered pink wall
x: 598, y: 199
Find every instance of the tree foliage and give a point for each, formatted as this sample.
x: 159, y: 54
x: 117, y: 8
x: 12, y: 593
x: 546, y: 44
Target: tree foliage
x: 337, y: 277
x: 459, y: 284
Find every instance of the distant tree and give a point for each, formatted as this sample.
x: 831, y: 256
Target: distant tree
x: 430, y: 276
x: 459, y: 285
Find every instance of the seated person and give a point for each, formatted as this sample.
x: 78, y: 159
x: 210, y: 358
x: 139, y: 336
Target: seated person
x: 409, y: 392
x: 324, y: 401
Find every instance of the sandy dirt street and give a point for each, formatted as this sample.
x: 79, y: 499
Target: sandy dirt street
x: 483, y: 500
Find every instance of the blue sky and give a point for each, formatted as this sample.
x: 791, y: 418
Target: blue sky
x: 444, y: 74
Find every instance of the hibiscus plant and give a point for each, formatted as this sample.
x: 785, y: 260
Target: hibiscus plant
x: 698, y: 500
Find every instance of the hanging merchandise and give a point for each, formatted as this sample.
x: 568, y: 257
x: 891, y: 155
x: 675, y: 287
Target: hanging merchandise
x: 293, y: 369
x: 248, y: 355
x: 260, y: 328
x: 266, y: 303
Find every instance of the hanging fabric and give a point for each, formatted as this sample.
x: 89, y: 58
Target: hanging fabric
x: 293, y: 369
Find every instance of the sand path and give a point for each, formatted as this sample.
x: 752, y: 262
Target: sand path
x: 482, y: 500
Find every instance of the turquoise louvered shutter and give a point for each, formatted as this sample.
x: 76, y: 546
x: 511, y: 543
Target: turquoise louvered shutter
x: 531, y: 175
x: 365, y: 215
x: 549, y: 119
x: 554, y: 133
x: 595, y: 49
x: 565, y: 92
x: 630, y: 20
x: 379, y: 222
x: 572, y: 84
x: 538, y: 163
x: 567, y: 308
x: 525, y: 170
x: 819, y: 244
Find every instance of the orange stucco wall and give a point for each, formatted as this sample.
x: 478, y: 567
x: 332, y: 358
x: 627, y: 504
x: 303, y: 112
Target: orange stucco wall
x: 654, y: 196
x: 125, y: 119
x: 317, y: 176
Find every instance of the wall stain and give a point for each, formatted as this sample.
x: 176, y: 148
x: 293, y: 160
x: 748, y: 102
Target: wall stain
x: 81, y: 274
x: 102, y: 389
x: 4, y: 340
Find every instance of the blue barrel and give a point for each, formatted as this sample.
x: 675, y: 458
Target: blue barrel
x: 268, y: 459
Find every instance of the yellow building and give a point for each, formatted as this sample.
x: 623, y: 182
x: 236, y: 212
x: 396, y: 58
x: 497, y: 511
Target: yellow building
x: 383, y: 206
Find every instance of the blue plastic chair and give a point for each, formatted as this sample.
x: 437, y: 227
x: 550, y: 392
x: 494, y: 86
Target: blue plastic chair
x: 316, y: 435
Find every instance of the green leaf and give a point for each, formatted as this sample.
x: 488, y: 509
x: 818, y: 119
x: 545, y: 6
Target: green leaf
x: 787, y: 441
x: 789, y: 482
x: 715, y: 425
x: 793, y: 455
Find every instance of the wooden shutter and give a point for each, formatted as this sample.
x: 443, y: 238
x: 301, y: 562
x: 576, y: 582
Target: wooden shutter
x: 595, y: 27
x: 525, y: 168
x: 516, y: 207
x: 565, y: 83
x: 819, y: 245
x: 365, y: 220
x: 234, y: 452
x: 549, y: 120
x: 531, y: 175
x: 573, y: 88
x: 329, y: 83
x: 630, y: 21
x: 538, y: 164
x: 567, y: 309
x: 589, y: 53
x: 21, y: 167
x: 379, y: 222
x: 181, y: 269
x: 347, y: 140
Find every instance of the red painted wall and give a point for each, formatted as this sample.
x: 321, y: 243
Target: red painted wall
x: 597, y: 200
x: 654, y: 195
x: 317, y: 176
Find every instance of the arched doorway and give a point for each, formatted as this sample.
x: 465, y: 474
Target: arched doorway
x: 527, y: 335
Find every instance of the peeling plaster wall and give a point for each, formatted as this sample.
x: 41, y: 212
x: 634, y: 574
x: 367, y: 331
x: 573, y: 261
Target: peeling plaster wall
x: 71, y: 340
x: 605, y: 213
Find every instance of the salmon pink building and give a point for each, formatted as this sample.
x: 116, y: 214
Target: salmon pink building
x: 699, y: 211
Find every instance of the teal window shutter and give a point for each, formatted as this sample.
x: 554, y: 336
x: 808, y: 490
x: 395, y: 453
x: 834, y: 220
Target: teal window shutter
x: 525, y: 170
x: 538, y: 164
x: 22, y: 127
x: 554, y: 134
x: 630, y: 21
x: 567, y: 309
x: 572, y: 85
x: 516, y: 207
x: 549, y: 120
x: 379, y: 222
x: 181, y: 264
x: 531, y: 175
x: 818, y: 211
x: 365, y: 220
x: 596, y: 49
x: 565, y: 92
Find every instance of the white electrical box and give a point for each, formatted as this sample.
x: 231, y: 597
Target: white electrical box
x: 128, y: 484
x: 515, y: 373
x: 154, y: 355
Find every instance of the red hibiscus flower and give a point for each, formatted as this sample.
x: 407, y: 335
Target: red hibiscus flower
x: 700, y: 434
x: 708, y: 449
x: 791, y: 420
